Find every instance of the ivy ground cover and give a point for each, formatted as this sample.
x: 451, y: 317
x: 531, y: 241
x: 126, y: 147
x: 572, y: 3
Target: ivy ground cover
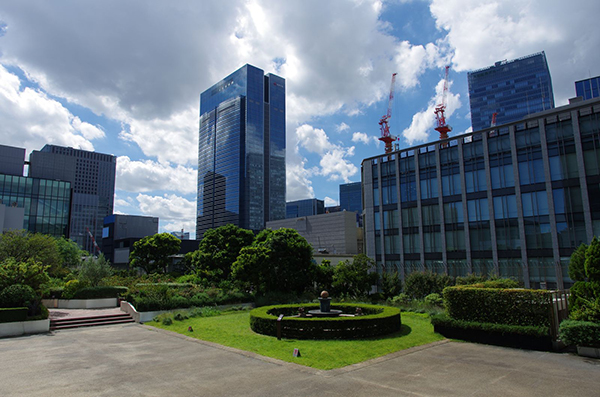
x: 233, y: 330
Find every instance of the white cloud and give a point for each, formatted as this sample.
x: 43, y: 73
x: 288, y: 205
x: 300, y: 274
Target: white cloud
x: 174, y: 212
x: 30, y: 119
x: 423, y: 122
x: 314, y: 140
x: 147, y: 175
x: 481, y: 32
x: 342, y: 127
x: 298, y: 182
x: 364, y: 138
x: 329, y: 202
x: 335, y: 166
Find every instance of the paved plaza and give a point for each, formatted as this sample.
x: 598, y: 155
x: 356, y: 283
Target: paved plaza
x: 137, y: 360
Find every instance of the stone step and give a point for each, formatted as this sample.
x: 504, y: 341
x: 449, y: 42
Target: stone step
x: 91, y: 321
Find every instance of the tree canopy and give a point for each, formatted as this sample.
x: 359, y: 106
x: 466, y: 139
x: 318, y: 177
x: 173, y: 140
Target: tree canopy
x: 151, y: 253
x: 355, y: 278
x: 24, y: 246
x: 278, y: 261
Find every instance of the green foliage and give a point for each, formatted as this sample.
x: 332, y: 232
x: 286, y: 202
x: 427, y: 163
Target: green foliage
x: 434, y: 299
x: 69, y: 252
x: 355, y: 279
x: 497, y: 283
x: 592, y: 261
x: 580, y: 333
x: 99, y: 292
x: 18, y: 295
x: 218, y: 250
x: 13, y: 314
x: 93, y: 270
x: 278, y: 260
x: 71, y: 288
x: 493, y: 328
x: 27, y: 272
x: 24, y: 246
x: 151, y: 254
x: 376, y: 321
x: 470, y: 279
x: 577, y: 264
x: 324, y: 276
x: 498, y: 306
x: 391, y: 285
x: 420, y: 284
x: 401, y: 299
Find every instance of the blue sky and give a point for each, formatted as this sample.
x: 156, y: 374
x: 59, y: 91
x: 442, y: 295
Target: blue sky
x: 124, y: 78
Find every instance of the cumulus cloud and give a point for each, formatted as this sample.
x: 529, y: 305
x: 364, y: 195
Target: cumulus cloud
x: 329, y: 202
x: 147, y: 175
x: 423, y: 122
x: 314, y: 140
x: 480, y: 32
x: 174, y: 212
x: 299, y: 185
x: 342, y: 127
x: 31, y: 119
x: 364, y: 138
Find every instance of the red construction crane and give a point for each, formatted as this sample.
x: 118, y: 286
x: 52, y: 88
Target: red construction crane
x: 97, y: 248
x: 386, y: 137
x: 493, y: 124
x: 440, y: 110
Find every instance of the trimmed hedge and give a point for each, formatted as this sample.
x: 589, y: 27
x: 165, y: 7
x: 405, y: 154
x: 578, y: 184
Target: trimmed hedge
x: 580, y: 333
x: 500, y: 306
x: 13, y: 314
x: 375, y: 321
x: 18, y: 295
x: 100, y: 292
x: 524, y: 337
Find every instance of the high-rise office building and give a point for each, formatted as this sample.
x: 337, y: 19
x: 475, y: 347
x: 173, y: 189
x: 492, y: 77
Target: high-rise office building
x: 588, y: 88
x: 515, y: 200
x: 510, y: 89
x: 306, y: 207
x: 351, y: 199
x: 241, y: 151
x: 92, y: 177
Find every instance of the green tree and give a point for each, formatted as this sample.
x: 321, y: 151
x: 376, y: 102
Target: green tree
x: 278, y: 261
x: 93, y: 270
x: 29, y: 273
x: 577, y: 264
x: 23, y: 246
x: 356, y: 278
x: 592, y: 261
x: 70, y: 253
x: 391, y: 285
x: 324, y: 277
x: 151, y: 254
x: 217, y: 251
x: 418, y: 285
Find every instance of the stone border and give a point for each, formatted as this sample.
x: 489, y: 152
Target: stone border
x: 80, y: 303
x: 24, y: 327
x: 144, y: 317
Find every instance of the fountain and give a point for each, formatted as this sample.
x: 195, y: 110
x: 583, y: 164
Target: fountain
x: 324, y: 307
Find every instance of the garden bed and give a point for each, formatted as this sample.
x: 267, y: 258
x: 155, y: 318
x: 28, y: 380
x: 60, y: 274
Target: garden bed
x: 80, y: 303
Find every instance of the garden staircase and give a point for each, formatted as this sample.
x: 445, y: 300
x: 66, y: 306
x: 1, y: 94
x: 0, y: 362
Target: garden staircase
x: 90, y: 321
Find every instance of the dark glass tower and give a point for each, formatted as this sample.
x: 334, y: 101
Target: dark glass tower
x: 512, y: 89
x: 241, y: 151
x: 351, y: 197
x: 588, y: 88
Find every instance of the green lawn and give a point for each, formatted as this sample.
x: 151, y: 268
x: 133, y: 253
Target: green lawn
x: 233, y: 330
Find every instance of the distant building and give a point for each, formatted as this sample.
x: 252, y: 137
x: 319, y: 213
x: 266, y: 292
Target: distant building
x: 241, y: 151
x: 181, y: 235
x: 588, y: 88
x: 351, y: 199
x: 121, y: 231
x: 307, y: 207
x: 92, y: 177
x: 512, y: 89
x: 332, y: 209
x: 12, y: 160
x: 334, y: 233
x: 11, y: 218
x: 515, y: 200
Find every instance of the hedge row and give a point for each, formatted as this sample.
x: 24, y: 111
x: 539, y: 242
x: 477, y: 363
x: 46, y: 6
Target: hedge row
x: 156, y: 302
x: 500, y: 306
x: 13, y: 314
x: 580, y: 333
x: 87, y: 293
x: 524, y: 337
x: 375, y: 321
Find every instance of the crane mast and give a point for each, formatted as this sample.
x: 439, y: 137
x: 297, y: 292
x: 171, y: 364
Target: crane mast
x: 440, y: 110
x: 386, y: 137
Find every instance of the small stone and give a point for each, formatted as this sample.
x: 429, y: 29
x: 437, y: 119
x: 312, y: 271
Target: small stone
x: 324, y: 294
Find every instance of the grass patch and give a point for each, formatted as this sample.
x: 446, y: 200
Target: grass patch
x: 233, y: 330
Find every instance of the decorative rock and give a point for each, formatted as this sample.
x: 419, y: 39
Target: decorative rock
x: 324, y: 294
x: 190, y: 329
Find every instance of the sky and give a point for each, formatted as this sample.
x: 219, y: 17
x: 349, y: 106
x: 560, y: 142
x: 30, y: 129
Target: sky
x: 124, y: 78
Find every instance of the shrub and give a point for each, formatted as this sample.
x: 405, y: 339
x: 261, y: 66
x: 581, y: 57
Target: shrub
x: 580, y: 333
x: 71, y: 287
x: 99, y: 292
x: 376, y: 321
x: 28, y: 272
x: 420, y: 284
x: 391, y: 285
x: 167, y: 321
x: 93, y: 270
x: 434, y: 299
x: 497, y: 283
x: 499, y: 306
x: 13, y: 314
x: 401, y: 299
x: 18, y: 296
x: 470, y: 279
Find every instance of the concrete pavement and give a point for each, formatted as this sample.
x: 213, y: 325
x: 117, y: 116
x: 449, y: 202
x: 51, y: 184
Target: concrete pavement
x: 136, y: 360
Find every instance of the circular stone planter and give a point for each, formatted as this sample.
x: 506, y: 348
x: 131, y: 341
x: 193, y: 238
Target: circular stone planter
x: 374, y: 321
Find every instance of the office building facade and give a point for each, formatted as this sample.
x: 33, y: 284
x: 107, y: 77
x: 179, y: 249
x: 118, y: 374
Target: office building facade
x: 588, y: 88
x: 92, y: 177
x: 120, y: 232
x: 241, y: 151
x: 515, y: 200
x: 307, y: 207
x: 511, y: 89
x: 351, y: 197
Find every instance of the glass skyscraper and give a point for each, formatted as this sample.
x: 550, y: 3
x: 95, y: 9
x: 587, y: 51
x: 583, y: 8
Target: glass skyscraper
x: 241, y: 151
x: 307, y: 207
x: 588, y: 88
x: 511, y: 89
x: 515, y: 200
x: 92, y: 177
